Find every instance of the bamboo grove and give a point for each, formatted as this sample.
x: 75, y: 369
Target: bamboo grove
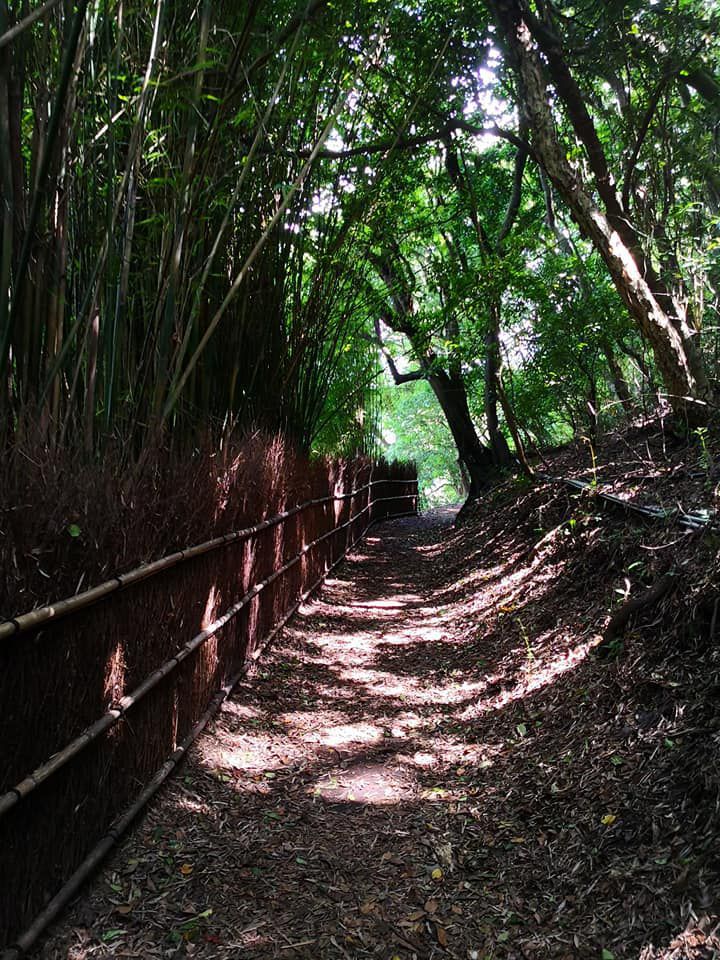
x: 219, y: 214
x: 161, y: 264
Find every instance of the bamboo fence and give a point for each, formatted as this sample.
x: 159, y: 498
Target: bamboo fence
x: 106, y: 650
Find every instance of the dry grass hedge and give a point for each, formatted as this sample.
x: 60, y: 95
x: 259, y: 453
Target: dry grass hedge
x: 68, y: 526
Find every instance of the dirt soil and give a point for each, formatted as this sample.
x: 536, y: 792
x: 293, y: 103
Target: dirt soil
x: 437, y: 759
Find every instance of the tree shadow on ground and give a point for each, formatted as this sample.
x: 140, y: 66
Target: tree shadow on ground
x: 385, y: 792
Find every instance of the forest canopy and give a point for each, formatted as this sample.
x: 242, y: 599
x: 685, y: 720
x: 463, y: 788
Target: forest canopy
x: 217, y: 215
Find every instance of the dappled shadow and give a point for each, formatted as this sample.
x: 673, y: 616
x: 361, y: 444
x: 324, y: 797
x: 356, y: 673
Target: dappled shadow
x: 432, y: 762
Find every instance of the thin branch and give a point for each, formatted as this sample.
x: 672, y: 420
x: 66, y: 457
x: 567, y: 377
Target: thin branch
x: 642, y: 133
x: 312, y: 8
x: 29, y: 20
x: 516, y: 196
x: 436, y: 136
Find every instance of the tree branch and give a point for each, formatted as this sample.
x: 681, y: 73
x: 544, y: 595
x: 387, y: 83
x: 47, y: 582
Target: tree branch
x: 409, y: 143
x: 642, y: 133
x: 398, y: 377
x: 516, y: 196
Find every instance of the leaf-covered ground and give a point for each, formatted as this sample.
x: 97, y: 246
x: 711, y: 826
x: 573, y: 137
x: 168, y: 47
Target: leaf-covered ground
x: 435, y: 762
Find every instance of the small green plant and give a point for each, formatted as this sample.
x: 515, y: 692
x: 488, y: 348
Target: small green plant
x: 594, y: 481
x: 528, y: 646
x: 705, y: 458
x: 614, y: 649
x: 190, y: 929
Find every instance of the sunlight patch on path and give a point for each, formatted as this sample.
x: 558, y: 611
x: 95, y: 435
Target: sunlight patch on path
x: 538, y: 675
x: 346, y: 733
x: 365, y: 782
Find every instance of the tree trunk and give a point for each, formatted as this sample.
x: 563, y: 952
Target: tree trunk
x: 620, y: 384
x: 478, y: 460
x: 663, y: 320
x: 447, y: 385
x: 498, y: 444
x: 513, y: 427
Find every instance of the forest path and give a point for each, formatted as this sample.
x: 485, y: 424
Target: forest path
x: 312, y: 821
x: 426, y: 764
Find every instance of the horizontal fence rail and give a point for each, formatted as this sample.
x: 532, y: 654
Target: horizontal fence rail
x: 61, y: 608
x: 108, y: 636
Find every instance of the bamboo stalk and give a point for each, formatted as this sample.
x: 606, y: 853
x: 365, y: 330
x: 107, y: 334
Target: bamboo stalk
x: 66, y: 75
x: 28, y: 21
x: 180, y: 377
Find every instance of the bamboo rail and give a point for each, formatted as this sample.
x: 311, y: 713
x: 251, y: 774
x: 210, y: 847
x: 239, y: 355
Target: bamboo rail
x: 115, y: 833
x: 42, y: 773
x: 93, y: 732
x: 693, y: 521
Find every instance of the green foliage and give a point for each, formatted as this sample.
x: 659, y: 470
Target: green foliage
x: 413, y: 427
x: 190, y: 271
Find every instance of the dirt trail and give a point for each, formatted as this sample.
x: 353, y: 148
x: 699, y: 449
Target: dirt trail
x: 392, y: 784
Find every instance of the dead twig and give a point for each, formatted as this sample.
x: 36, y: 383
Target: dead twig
x: 619, y: 619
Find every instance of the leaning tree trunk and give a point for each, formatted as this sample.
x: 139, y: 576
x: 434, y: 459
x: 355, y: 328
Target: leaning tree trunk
x: 478, y: 460
x: 513, y: 426
x: 662, y: 318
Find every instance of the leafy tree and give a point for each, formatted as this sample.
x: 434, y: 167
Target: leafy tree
x: 602, y: 191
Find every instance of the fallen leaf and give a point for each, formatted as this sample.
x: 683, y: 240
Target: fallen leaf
x: 441, y: 935
x: 437, y: 874
x: 186, y: 869
x: 608, y: 819
x: 367, y: 907
x: 431, y: 906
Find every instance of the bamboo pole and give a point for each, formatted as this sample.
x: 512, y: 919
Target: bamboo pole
x: 62, y: 608
x: 693, y: 521
x: 27, y: 22
x: 63, y: 84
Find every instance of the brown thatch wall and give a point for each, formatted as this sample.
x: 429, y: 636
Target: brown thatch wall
x: 61, y: 677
